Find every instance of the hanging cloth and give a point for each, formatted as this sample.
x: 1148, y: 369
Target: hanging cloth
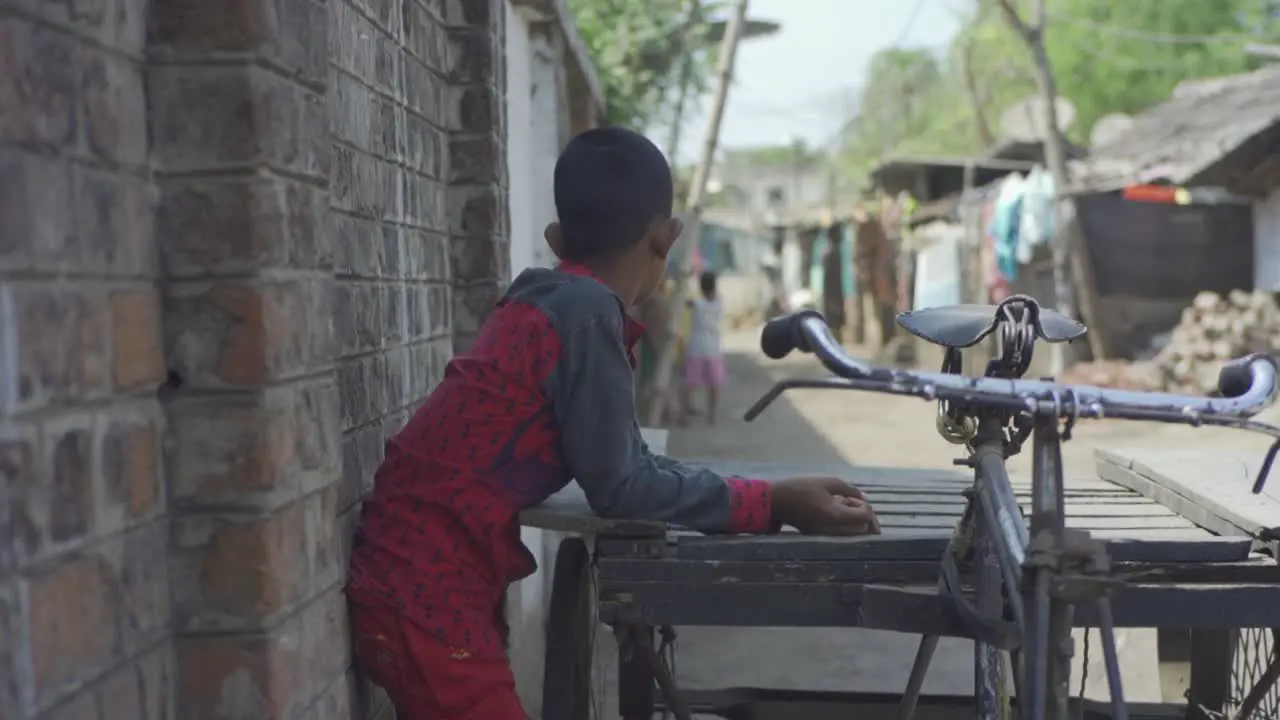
x: 1005, y: 225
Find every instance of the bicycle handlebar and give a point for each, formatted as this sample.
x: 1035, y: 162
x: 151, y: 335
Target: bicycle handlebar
x: 1248, y: 384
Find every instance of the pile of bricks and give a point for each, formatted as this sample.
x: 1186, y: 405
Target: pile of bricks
x: 1213, y: 330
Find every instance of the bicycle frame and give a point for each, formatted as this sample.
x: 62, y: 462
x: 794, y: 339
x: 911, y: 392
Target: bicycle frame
x: 1034, y: 571
x: 1017, y: 564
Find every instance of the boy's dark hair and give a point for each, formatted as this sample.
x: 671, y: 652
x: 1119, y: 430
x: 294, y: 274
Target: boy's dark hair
x: 707, y: 281
x: 610, y: 184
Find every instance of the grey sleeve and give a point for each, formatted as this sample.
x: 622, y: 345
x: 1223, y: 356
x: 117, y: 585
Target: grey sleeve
x: 594, y: 399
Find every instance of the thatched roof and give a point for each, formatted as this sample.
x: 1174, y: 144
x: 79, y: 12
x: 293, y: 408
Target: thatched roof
x: 1216, y: 131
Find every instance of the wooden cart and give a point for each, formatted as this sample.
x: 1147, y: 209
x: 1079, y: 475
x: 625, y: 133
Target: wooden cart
x: 641, y: 578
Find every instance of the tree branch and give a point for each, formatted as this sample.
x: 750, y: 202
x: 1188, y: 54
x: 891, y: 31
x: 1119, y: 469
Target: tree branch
x: 1011, y: 16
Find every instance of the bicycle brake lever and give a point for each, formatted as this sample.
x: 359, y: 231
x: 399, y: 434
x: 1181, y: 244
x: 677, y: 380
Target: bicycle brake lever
x: 829, y: 383
x: 754, y: 411
x: 1265, y: 470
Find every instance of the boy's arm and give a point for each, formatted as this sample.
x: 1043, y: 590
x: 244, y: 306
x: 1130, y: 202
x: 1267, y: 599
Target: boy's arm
x: 600, y: 439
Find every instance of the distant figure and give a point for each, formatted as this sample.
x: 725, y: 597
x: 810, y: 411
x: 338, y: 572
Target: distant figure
x: 833, y: 283
x: 704, y: 359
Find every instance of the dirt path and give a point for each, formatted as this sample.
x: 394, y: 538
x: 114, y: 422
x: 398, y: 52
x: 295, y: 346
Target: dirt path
x: 829, y: 428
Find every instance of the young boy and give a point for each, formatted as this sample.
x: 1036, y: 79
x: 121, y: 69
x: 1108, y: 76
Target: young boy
x: 704, y: 365
x: 544, y: 395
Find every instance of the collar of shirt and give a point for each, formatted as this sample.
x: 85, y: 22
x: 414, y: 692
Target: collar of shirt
x: 632, y: 329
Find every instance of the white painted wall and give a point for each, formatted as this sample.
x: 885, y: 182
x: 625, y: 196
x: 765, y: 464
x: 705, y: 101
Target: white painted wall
x: 520, y: 159
x: 545, y: 110
x: 526, y: 609
x: 1266, y: 243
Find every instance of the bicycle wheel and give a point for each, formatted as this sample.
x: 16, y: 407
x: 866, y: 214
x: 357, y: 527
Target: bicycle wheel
x: 1255, y: 675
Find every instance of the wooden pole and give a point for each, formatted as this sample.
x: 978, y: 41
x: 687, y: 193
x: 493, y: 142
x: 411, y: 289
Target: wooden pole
x: 1072, y: 271
x: 686, y: 77
x: 693, y: 226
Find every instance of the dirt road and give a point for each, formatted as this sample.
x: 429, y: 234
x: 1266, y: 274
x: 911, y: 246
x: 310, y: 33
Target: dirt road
x: 859, y: 428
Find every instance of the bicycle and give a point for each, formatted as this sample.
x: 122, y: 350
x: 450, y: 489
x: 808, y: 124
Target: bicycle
x: 1030, y: 573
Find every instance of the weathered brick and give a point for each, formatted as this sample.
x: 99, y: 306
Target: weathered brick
x: 337, y: 702
x: 73, y: 614
x: 114, y: 223
x: 253, y: 451
x: 290, y: 33
x: 138, y: 559
x: 231, y: 335
x: 472, y: 13
x: 245, y: 574
x: 323, y: 630
x: 424, y: 94
x: 15, y: 681
x: 221, y: 117
x: 471, y: 305
x: 120, y: 693
x: 155, y: 670
x: 63, y: 352
x: 468, y: 56
x: 425, y: 149
x: 130, y: 471
x: 113, y: 107
x: 36, y: 231
x: 136, y: 337
x: 474, y: 109
x: 37, y: 87
x: 477, y: 211
x: 424, y: 37
x: 477, y: 257
x: 236, y: 225
x: 424, y: 200
x: 239, y: 676
x: 20, y: 535
x: 78, y: 707
x: 362, y: 453
x: 69, y: 445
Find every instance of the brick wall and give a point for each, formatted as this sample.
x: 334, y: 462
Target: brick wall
x: 240, y: 241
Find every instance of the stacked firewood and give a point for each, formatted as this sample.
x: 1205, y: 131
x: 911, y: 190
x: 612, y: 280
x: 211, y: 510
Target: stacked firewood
x: 1213, y: 330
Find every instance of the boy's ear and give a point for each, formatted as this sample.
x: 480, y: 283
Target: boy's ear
x: 663, y: 234
x: 555, y: 240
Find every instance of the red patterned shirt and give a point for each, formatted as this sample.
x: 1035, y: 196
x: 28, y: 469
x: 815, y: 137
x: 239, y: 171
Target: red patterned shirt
x: 544, y: 395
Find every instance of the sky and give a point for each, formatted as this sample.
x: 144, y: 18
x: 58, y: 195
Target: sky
x: 802, y: 82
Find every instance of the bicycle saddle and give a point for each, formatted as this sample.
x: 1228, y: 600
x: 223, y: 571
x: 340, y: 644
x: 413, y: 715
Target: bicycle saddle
x: 962, y: 326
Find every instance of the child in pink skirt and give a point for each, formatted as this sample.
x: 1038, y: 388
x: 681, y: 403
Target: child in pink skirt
x: 704, y: 359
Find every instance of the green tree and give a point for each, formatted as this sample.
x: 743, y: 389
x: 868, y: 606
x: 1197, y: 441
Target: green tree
x: 638, y: 50
x: 1106, y: 56
x: 1110, y: 57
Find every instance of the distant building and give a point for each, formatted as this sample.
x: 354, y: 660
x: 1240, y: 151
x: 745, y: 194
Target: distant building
x: 782, y: 180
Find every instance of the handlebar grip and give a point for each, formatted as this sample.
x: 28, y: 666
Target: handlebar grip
x: 1236, y: 377
x: 783, y: 334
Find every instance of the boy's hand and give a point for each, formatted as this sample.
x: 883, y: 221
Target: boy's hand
x: 823, y: 506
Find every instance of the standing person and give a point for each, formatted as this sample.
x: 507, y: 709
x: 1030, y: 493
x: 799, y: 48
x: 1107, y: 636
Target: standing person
x: 704, y: 359
x: 833, y: 283
x: 545, y: 394
x: 655, y: 315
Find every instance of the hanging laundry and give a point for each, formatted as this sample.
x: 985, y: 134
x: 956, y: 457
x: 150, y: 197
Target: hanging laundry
x: 1039, y: 204
x: 1005, y: 225
x: 997, y: 285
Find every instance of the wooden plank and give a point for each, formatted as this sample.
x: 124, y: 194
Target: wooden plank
x: 618, y: 572
x: 1160, y: 545
x: 907, y: 499
x: 1219, y: 482
x: 1221, y: 606
x: 920, y: 609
